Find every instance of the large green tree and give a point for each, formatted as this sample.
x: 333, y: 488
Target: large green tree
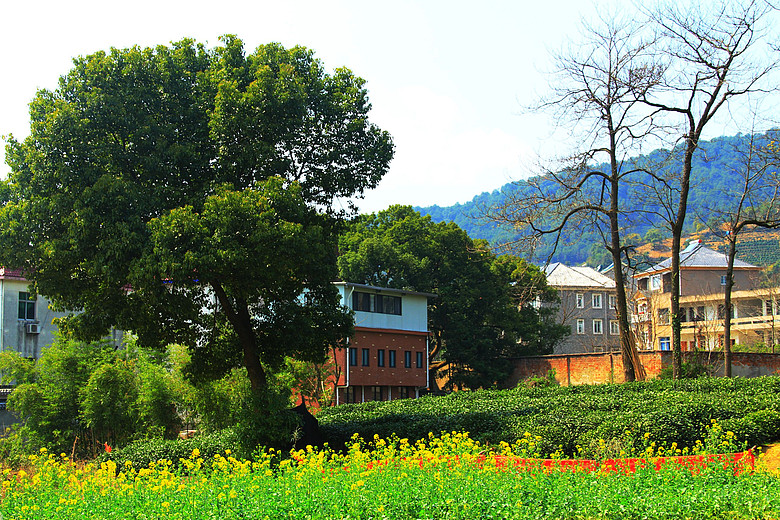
x: 186, y: 194
x: 482, y: 316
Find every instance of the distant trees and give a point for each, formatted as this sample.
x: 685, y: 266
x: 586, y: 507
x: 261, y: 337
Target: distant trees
x: 484, y: 313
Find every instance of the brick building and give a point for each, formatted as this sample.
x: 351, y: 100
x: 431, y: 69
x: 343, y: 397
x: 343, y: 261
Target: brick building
x: 387, y: 358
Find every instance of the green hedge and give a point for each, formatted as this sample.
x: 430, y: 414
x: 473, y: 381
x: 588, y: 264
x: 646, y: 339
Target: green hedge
x: 575, y: 418
x: 142, y: 453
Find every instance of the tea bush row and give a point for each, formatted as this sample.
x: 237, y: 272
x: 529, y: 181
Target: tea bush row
x: 575, y: 418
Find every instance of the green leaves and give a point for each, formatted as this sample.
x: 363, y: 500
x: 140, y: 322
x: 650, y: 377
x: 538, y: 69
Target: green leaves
x: 481, y: 318
x: 179, y: 191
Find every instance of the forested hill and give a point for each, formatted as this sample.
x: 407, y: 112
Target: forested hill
x: 715, y: 176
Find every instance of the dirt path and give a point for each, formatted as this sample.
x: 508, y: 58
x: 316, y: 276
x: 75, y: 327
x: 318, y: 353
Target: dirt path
x: 771, y: 457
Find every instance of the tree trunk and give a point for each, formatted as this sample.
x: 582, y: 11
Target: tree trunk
x: 727, y: 305
x: 241, y: 321
x: 621, y: 303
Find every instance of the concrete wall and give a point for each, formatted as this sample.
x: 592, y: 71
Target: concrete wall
x: 569, y: 313
x: 707, y: 281
x: 414, y: 311
x: 14, y: 336
x: 578, y: 369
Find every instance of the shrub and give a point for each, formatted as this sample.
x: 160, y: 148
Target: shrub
x: 688, y: 370
x: 143, y: 452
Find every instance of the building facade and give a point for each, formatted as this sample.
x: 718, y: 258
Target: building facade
x: 387, y: 358
x: 702, y: 289
x: 587, y: 306
x: 26, y: 318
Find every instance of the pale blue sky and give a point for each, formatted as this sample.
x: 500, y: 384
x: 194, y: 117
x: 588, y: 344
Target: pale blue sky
x: 446, y: 78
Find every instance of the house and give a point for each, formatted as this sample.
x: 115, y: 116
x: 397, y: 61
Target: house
x: 387, y: 358
x: 588, y: 300
x: 26, y: 318
x: 702, y: 289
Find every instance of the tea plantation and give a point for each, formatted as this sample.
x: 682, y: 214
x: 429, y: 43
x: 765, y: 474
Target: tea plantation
x: 579, y: 420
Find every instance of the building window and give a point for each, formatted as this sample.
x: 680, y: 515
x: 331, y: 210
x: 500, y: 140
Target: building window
x: 614, y: 327
x: 419, y: 360
x: 597, y: 327
x: 408, y: 359
x: 403, y: 392
x: 664, y: 343
x: 580, y: 326
x: 655, y: 282
x: 663, y: 316
x: 365, y: 353
x: 391, y: 358
x: 353, y: 357
x: 612, y: 301
x: 352, y: 394
x: 26, y: 306
x: 380, y: 303
x: 723, y: 279
x: 376, y: 393
x: 768, y: 308
x: 380, y: 357
x: 596, y: 301
x: 580, y: 301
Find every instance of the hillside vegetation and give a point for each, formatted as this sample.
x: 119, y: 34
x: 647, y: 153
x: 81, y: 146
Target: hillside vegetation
x: 714, y: 174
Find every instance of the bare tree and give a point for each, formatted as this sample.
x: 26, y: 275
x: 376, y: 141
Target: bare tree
x: 595, y: 91
x: 712, y: 51
x: 756, y: 203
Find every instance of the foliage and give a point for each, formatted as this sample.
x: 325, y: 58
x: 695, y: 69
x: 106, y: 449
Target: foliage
x: 80, y: 395
x: 568, y: 417
x: 144, y: 452
x: 446, y: 476
x: 203, y: 179
x: 481, y: 316
x: 688, y: 370
x: 716, y: 161
x: 542, y: 381
x: 109, y: 401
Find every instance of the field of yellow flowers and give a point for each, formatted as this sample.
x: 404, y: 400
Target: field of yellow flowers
x: 444, y: 476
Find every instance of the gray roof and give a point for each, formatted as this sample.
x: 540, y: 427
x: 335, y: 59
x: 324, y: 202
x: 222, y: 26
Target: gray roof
x: 696, y: 255
x: 559, y: 275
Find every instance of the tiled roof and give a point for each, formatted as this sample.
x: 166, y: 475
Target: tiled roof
x: 11, y: 273
x: 696, y: 255
x: 559, y: 275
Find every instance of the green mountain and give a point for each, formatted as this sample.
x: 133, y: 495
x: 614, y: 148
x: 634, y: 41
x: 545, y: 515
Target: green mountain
x: 715, y: 184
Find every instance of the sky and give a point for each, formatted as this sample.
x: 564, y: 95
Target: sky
x: 448, y: 79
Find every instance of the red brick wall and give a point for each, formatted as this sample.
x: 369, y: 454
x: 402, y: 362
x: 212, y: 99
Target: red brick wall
x: 577, y: 369
x: 399, y: 341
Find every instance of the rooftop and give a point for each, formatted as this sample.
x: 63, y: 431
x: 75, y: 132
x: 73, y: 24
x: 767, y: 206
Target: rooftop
x: 698, y: 256
x: 559, y: 275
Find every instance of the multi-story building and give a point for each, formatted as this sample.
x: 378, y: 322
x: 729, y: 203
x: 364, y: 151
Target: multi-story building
x: 702, y: 289
x: 587, y: 306
x: 387, y: 358
x: 27, y: 320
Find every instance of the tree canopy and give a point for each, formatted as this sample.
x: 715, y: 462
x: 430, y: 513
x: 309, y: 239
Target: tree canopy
x: 187, y: 194
x: 483, y: 314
